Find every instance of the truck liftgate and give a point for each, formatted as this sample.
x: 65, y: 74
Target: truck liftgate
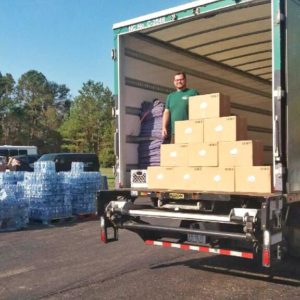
x: 248, y: 226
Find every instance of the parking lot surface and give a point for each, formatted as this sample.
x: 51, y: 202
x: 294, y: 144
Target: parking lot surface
x: 70, y: 262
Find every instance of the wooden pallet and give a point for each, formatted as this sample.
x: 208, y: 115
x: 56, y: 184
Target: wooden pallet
x: 5, y: 226
x: 54, y: 221
x: 10, y: 229
x: 83, y: 217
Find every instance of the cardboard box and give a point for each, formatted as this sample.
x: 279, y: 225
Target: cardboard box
x: 203, y: 154
x: 174, y: 178
x: 174, y: 155
x: 190, y: 131
x: 241, y: 153
x: 211, y: 179
x: 257, y: 179
x: 209, y: 106
x: 160, y: 178
x: 218, y: 179
x: 188, y: 178
x: 225, y: 129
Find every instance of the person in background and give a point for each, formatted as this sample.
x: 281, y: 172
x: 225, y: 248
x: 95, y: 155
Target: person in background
x: 3, y: 164
x: 12, y: 164
x: 177, y: 105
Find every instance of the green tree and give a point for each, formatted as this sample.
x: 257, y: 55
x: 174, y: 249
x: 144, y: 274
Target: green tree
x: 45, y: 105
x: 8, y: 105
x: 89, y: 127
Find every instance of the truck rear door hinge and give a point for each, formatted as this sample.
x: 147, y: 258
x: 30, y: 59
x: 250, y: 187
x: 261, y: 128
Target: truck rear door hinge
x: 280, y: 17
x: 113, y: 54
x: 279, y: 93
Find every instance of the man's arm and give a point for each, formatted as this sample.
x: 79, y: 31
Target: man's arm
x: 165, y: 123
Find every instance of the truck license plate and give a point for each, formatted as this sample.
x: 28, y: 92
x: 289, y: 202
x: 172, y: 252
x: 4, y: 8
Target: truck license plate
x: 197, y: 238
x: 176, y: 196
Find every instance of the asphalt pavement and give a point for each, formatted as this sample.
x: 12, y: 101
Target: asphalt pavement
x: 70, y: 262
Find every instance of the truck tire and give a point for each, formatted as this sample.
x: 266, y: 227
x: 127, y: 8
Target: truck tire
x: 292, y: 230
x: 293, y: 241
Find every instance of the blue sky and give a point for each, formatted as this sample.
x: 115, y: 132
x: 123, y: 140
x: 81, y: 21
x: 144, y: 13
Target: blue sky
x: 69, y: 41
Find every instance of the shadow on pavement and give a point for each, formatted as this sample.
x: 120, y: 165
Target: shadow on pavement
x: 37, y: 225
x: 287, y: 272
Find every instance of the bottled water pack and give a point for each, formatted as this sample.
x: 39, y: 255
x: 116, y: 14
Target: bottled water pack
x: 45, y: 192
x: 13, y: 208
x: 81, y: 188
x: 46, y: 195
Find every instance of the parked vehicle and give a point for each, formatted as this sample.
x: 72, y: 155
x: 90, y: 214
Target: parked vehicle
x: 26, y: 162
x: 248, y: 50
x: 7, y: 150
x: 63, y: 161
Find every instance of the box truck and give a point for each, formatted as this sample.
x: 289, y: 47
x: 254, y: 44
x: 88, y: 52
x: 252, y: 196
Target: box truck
x: 248, y: 50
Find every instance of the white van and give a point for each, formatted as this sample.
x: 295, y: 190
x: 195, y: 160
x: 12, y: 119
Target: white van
x: 7, y: 150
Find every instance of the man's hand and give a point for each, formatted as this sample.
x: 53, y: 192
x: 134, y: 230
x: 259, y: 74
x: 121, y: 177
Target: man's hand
x: 165, y: 123
x: 164, y: 133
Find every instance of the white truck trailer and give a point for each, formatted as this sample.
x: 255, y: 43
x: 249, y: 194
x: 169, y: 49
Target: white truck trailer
x: 249, y: 50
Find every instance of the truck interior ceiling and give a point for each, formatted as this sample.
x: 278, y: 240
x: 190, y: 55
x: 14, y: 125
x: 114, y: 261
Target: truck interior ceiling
x: 226, y: 51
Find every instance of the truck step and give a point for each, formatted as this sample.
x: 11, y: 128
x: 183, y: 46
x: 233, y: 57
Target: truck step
x: 154, y: 213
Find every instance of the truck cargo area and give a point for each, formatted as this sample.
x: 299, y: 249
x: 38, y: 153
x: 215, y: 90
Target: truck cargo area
x: 227, y: 51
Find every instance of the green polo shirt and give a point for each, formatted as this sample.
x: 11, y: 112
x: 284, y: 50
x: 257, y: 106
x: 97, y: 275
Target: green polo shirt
x: 178, y: 105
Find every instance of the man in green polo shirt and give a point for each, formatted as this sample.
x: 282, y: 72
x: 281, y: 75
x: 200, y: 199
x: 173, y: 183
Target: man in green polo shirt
x: 177, y: 106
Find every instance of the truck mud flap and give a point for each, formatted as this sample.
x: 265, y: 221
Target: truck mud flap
x: 108, y: 232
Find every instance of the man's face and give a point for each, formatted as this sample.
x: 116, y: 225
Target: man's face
x: 180, y: 82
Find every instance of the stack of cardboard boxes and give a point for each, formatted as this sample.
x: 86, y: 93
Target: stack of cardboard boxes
x: 211, y: 153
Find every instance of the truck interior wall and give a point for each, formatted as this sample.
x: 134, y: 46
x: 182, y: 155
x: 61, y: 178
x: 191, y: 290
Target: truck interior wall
x: 150, y: 65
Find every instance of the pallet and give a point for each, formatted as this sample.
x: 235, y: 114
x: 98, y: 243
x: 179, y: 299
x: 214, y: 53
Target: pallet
x: 54, y: 221
x: 10, y: 229
x: 83, y: 217
x: 5, y: 226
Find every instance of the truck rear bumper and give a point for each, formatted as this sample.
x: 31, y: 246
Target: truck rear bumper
x: 227, y: 252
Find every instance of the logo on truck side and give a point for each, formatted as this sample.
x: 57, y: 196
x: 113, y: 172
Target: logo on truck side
x: 150, y: 23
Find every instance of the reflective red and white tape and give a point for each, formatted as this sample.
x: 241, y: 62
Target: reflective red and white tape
x: 248, y: 255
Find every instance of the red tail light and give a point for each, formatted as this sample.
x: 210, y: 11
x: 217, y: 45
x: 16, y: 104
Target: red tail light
x: 103, y: 236
x: 266, y: 260
x: 103, y: 232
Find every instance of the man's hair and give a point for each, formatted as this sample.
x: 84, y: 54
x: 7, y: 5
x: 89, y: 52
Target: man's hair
x: 181, y: 73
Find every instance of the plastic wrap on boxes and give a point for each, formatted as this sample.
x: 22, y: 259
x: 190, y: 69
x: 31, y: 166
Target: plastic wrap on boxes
x: 151, y: 124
